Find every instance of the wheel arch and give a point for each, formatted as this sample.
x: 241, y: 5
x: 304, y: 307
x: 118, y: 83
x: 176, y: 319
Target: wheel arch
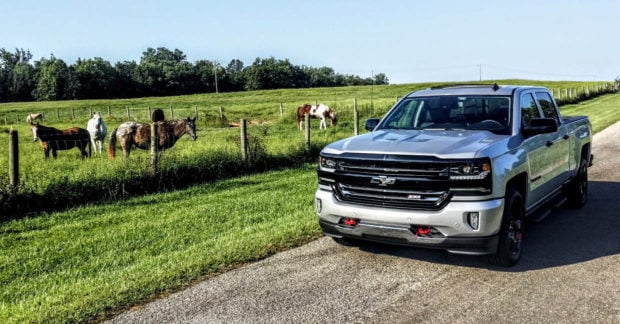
x: 519, y: 182
x: 585, y: 153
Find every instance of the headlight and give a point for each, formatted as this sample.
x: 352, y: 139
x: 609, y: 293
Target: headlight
x: 471, y: 177
x: 470, y: 170
x: 327, y: 164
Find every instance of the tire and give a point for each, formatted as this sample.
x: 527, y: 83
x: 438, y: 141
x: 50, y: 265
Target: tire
x: 511, y: 232
x: 577, y: 189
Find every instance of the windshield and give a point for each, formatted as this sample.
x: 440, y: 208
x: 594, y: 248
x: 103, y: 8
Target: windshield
x: 490, y: 113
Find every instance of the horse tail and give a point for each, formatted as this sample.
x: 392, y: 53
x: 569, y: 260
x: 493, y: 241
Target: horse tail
x: 112, y: 145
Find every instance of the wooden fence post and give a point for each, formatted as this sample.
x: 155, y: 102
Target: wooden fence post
x: 171, y: 113
x: 13, y: 159
x: 196, y: 112
x: 244, y: 140
x: 127, y: 108
x: 91, y: 112
x: 154, y: 147
x: 148, y: 108
x: 57, y: 114
x: 307, y: 123
x: 72, y: 114
x: 356, y: 118
x: 109, y: 111
x: 281, y: 110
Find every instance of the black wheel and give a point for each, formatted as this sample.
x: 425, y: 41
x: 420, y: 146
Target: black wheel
x: 577, y: 189
x: 511, y: 231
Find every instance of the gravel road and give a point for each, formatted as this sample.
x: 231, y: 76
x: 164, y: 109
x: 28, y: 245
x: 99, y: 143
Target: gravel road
x: 569, y: 272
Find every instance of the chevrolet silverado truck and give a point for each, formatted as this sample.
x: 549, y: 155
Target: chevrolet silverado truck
x: 458, y: 168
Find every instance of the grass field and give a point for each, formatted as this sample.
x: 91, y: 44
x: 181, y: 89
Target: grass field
x: 79, y: 264
x: 91, y: 261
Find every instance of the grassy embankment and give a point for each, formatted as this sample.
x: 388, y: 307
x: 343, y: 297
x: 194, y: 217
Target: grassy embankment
x: 81, y: 264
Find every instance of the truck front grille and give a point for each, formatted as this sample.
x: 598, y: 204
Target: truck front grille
x: 392, y: 181
x: 388, y: 197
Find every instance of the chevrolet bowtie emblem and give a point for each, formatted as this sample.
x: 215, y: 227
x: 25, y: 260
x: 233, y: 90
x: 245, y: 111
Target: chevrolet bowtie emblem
x: 383, y: 180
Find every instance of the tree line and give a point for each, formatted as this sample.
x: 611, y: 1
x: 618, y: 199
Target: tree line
x: 160, y: 72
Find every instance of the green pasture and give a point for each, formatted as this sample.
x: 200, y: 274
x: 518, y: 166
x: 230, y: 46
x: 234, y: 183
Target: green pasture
x: 96, y: 259
x: 256, y: 106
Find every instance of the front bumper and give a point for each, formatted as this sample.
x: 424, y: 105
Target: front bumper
x: 451, y: 230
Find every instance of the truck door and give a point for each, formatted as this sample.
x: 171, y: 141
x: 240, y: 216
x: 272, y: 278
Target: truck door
x: 535, y: 148
x: 557, y: 155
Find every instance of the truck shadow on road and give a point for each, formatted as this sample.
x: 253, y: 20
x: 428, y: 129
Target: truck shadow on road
x: 567, y: 236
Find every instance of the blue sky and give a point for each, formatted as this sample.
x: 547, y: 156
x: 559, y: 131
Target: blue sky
x: 409, y: 41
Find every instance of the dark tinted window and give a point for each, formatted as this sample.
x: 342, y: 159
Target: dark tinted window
x: 547, y: 105
x: 529, y: 110
x: 491, y: 113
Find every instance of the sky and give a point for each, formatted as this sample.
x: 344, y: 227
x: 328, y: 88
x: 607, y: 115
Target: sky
x: 409, y: 41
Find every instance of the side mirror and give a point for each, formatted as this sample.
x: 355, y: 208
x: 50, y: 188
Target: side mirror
x: 371, y: 123
x: 540, y: 126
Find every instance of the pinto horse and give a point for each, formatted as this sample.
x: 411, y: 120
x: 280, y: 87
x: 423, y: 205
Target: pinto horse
x: 98, y: 130
x: 32, y: 117
x: 321, y: 111
x: 130, y: 134
x: 53, y: 139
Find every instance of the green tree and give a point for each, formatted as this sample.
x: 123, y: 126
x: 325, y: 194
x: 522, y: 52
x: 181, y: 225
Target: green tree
x: 381, y: 78
x: 234, y: 69
x: 161, y: 71
x: 322, y: 77
x: 127, y: 80
x: 17, y: 75
x: 205, y: 75
x: 270, y: 74
x: 97, y: 78
x: 53, y: 79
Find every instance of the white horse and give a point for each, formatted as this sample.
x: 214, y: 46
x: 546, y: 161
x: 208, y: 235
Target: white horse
x: 32, y: 117
x: 321, y: 111
x: 98, y: 130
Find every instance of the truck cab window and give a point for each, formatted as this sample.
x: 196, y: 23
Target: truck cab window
x: 529, y: 110
x: 547, y: 106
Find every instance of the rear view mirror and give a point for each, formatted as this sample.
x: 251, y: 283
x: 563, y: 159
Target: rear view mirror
x: 371, y: 123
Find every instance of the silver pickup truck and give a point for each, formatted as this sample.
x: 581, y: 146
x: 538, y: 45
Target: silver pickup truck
x: 458, y: 168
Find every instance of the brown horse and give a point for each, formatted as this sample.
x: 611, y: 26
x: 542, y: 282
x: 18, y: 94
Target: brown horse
x: 321, y: 111
x: 53, y: 139
x: 130, y: 134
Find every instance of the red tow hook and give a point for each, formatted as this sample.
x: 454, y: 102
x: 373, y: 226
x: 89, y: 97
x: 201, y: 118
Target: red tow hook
x: 349, y: 221
x: 423, y: 231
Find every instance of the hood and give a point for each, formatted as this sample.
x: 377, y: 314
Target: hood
x: 439, y: 143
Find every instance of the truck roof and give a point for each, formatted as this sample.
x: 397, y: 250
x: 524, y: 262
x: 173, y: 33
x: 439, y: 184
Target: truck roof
x: 472, y: 89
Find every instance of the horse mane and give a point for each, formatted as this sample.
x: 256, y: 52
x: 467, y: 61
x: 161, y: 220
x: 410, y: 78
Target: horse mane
x: 46, y: 129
